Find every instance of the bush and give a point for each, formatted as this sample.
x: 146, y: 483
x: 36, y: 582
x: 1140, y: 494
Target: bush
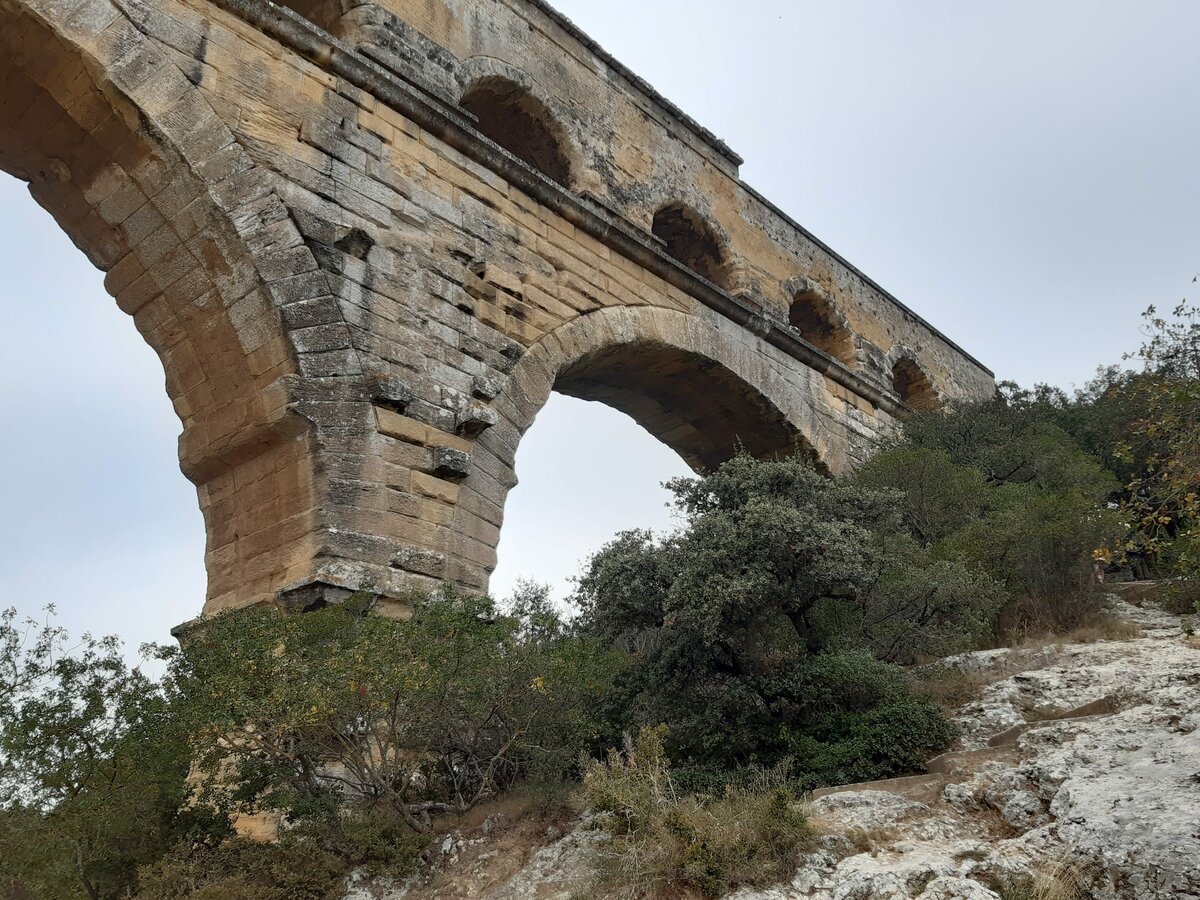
x: 776, y: 573
x: 666, y: 843
x: 1181, y: 597
x: 861, y: 721
x: 358, y: 728
x: 340, y: 717
x: 239, y: 869
x: 1002, y: 493
x: 93, y: 765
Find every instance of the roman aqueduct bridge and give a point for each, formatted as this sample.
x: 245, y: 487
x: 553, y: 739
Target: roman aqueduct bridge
x: 367, y: 239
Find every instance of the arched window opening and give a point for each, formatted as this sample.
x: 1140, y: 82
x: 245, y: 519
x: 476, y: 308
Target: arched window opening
x: 913, y: 386
x: 517, y: 121
x: 814, y: 317
x: 692, y: 241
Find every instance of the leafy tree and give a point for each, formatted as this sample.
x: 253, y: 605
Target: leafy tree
x: 336, y: 715
x: 1163, y: 496
x: 774, y: 565
x: 93, y: 764
x: 1000, y: 488
x: 1011, y: 439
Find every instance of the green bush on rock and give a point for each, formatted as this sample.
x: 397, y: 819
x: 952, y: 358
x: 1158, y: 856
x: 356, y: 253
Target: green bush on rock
x: 337, y: 714
x: 775, y: 576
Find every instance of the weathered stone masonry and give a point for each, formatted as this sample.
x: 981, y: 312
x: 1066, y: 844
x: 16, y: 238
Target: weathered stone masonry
x: 367, y: 238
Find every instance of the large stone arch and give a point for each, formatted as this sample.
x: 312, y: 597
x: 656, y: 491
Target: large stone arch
x: 626, y: 356
x: 696, y: 382
x: 102, y: 118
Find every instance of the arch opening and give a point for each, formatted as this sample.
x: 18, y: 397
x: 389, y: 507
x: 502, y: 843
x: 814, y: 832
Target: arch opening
x: 625, y: 469
x: 118, y: 502
x: 694, y: 405
x: 512, y: 117
x: 913, y: 386
x: 814, y: 317
x: 685, y: 406
x: 690, y: 240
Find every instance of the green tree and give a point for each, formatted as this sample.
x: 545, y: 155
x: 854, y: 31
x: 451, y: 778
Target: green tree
x: 1001, y: 488
x: 1163, y: 494
x: 93, y: 764
x: 774, y: 565
x: 340, y: 715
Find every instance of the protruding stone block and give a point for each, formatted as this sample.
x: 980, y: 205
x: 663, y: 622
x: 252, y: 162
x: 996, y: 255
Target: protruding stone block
x: 312, y: 594
x: 476, y: 419
x: 390, y: 392
x: 451, y: 464
x: 421, y: 562
x: 486, y: 387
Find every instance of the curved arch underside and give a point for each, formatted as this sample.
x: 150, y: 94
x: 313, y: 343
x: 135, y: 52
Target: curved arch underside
x: 691, y: 380
x: 692, y: 404
x: 117, y: 143
x: 88, y: 156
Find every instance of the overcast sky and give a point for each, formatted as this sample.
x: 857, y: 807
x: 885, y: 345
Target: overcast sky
x: 1025, y: 175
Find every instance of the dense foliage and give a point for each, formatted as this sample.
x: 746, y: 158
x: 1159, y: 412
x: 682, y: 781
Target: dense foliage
x: 93, y: 764
x: 1002, y: 489
x: 741, y: 625
x: 338, y: 714
x: 757, y: 650
x: 239, y: 869
x: 354, y: 728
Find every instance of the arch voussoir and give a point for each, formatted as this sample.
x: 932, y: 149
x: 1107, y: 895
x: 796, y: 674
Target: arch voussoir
x: 695, y: 382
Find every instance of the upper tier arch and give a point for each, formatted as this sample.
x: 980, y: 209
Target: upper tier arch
x: 510, y: 114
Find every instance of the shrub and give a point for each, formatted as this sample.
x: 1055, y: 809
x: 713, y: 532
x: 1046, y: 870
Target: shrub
x: 93, y: 765
x: 340, y: 714
x: 1180, y: 597
x: 239, y: 869
x: 666, y: 843
x: 860, y: 720
x: 1001, y: 492
x: 1062, y: 878
x: 776, y: 573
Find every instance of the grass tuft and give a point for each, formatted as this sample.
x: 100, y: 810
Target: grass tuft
x: 669, y: 844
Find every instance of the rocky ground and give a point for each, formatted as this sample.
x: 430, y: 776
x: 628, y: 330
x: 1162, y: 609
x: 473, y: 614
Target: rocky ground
x: 1077, y: 776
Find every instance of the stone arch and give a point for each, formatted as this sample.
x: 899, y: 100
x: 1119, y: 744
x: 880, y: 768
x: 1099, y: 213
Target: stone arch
x: 116, y: 141
x: 697, y: 383
x: 690, y: 239
x: 512, y: 113
x: 816, y: 316
x: 912, y: 384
